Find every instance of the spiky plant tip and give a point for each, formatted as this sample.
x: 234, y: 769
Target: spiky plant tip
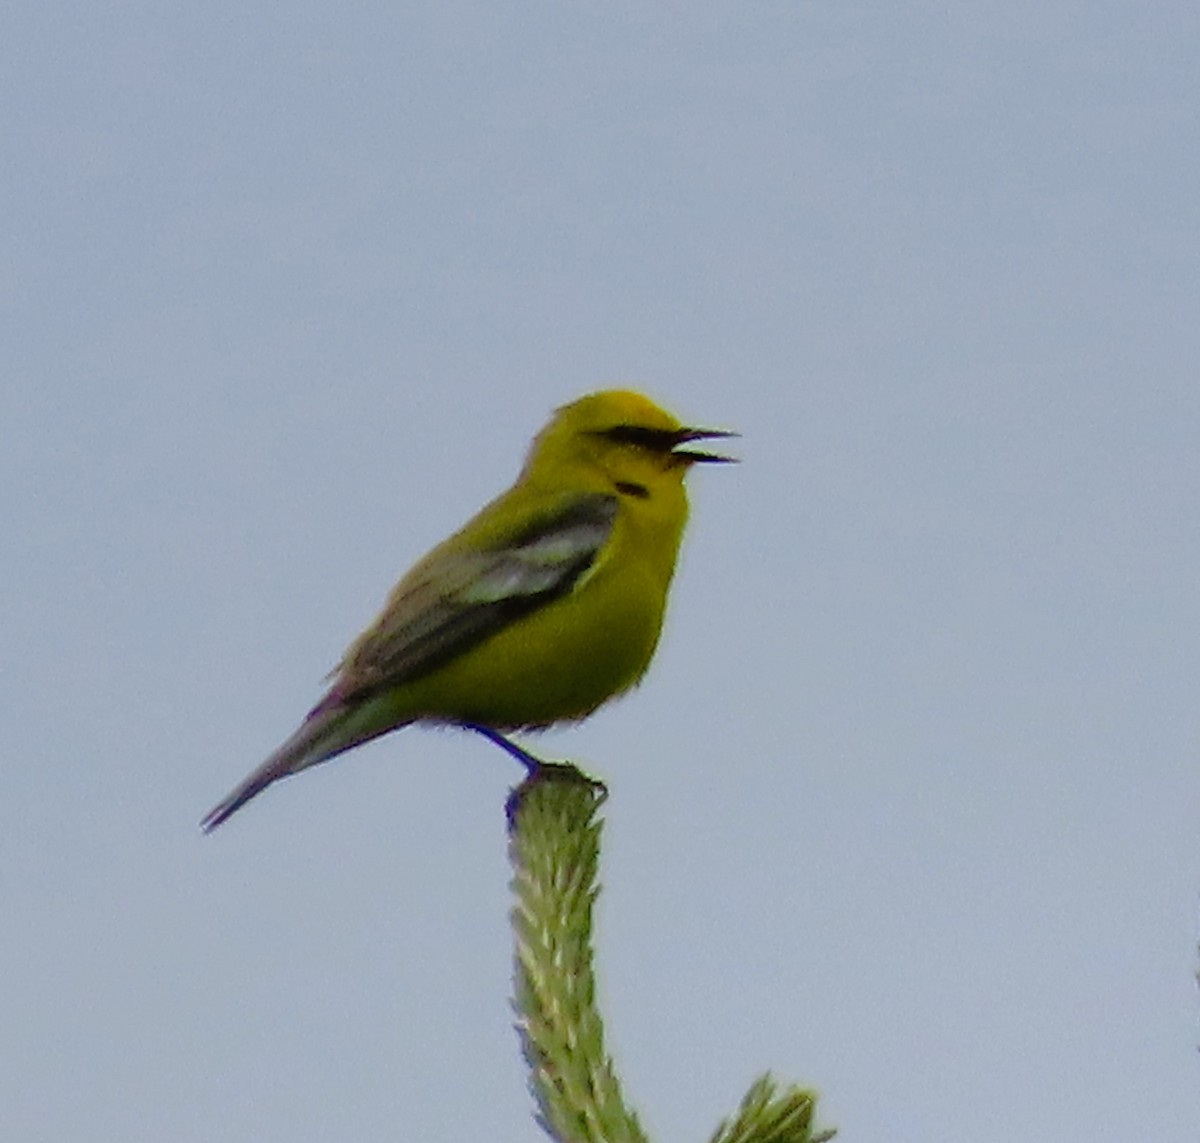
x: 770, y: 1116
x: 549, y: 774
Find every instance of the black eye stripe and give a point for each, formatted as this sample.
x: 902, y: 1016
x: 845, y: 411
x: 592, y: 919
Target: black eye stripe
x: 656, y: 440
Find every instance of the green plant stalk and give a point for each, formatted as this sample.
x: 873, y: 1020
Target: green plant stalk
x: 554, y: 848
x: 554, y: 845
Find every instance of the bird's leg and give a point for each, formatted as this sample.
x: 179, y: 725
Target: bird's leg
x: 529, y: 761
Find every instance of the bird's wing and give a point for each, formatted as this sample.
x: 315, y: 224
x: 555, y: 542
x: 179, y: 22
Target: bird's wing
x: 449, y: 603
x: 460, y: 597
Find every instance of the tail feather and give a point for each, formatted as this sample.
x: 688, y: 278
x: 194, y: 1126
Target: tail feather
x: 255, y: 784
x: 329, y: 730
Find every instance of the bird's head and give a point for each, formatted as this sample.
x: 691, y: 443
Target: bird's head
x: 624, y: 434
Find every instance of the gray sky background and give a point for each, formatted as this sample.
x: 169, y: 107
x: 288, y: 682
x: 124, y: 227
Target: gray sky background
x: 909, y: 808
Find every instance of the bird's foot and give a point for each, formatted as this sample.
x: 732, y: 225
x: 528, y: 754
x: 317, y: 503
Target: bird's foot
x: 530, y: 761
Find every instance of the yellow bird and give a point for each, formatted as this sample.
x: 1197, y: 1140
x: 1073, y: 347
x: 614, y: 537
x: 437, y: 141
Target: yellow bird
x: 545, y: 605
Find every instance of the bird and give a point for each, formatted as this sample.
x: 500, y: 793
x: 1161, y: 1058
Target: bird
x: 541, y: 608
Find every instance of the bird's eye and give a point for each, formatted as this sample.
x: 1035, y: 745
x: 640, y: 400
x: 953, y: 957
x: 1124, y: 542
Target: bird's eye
x: 630, y: 488
x: 655, y: 440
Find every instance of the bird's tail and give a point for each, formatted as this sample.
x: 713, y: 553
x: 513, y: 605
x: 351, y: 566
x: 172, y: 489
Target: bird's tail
x: 329, y: 730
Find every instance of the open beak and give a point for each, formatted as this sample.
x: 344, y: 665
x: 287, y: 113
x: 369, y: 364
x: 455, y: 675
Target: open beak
x: 695, y: 456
